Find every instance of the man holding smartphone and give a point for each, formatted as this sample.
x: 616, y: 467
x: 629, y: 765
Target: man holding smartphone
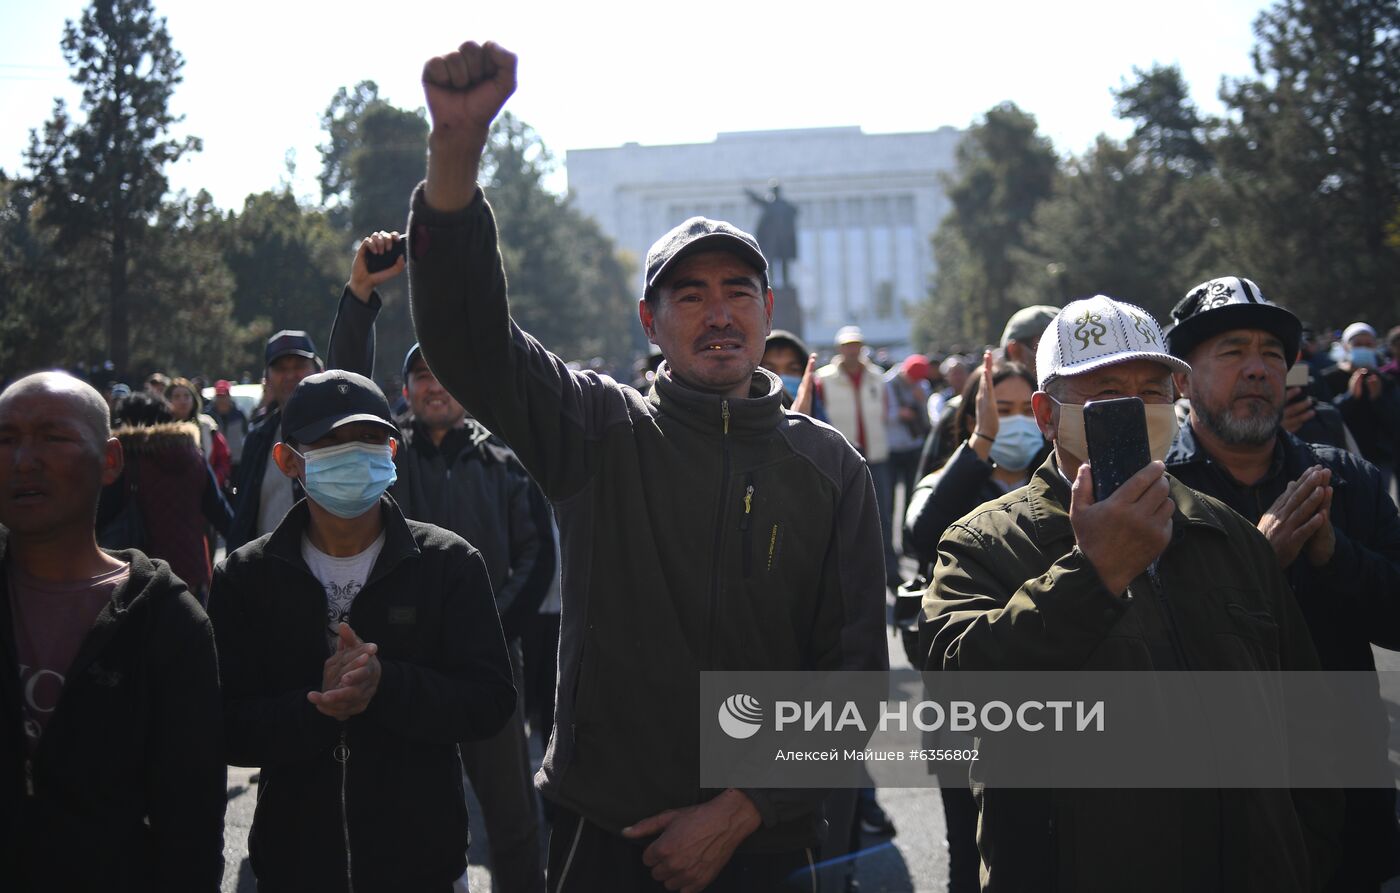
x: 1326, y: 512
x: 1050, y: 578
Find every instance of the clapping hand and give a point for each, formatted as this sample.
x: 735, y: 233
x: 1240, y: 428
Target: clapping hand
x: 349, y: 678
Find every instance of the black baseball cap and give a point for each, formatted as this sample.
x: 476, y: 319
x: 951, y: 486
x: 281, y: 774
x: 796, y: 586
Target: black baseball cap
x: 289, y: 341
x: 703, y: 234
x: 325, y: 401
x: 1226, y: 303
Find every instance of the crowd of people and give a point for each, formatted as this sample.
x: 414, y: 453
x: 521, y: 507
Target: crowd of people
x: 527, y: 546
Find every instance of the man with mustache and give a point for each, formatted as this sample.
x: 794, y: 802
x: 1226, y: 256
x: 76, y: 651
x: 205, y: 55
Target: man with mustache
x: 1325, y: 511
x: 703, y: 527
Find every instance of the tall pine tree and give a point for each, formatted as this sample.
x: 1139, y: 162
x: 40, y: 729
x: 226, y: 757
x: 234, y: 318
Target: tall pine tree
x: 99, y: 182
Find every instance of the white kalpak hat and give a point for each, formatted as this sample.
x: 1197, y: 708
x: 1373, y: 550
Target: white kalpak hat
x: 1091, y: 333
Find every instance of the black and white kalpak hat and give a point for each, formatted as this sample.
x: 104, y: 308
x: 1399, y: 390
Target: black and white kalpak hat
x: 1225, y: 304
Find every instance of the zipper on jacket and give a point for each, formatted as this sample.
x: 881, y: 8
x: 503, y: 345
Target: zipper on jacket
x: 342, y: 756
x: 719, y: 539
x: 29, y: 776
x: 1168, y: 616
x: 745, y: 536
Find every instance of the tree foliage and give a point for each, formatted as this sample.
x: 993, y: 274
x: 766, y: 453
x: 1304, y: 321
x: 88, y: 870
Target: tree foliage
x: 1171, y: 132
x: 372, y: 159
x: 1310, y: 159
x: 288, y: 264
x: 1004, y: 169
x: 568, y: 286
x: 46, y: 293
x: 370, y: 163
x: 98, y: 183
x: 1297, y: 187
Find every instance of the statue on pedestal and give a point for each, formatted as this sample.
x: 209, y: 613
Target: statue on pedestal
x: 776, y: 231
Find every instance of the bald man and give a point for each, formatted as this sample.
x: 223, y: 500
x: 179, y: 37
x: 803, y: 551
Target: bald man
x: 121, y: 785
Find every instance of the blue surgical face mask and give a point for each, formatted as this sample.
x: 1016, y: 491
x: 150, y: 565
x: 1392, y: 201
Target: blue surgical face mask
x: 1363, y: 356
x: 1018, y: 440
x: 347, y: 479
x: 791, y: 383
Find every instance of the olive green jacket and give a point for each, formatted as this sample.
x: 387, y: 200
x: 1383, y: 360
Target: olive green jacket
x: 1012, y: 591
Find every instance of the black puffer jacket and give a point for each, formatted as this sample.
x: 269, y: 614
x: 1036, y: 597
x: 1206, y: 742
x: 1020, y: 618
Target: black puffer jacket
x: 128, y: 782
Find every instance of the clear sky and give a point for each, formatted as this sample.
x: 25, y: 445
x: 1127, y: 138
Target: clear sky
x: 258, y: 74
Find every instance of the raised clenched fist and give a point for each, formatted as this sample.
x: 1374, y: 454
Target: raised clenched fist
x: 466, y: 89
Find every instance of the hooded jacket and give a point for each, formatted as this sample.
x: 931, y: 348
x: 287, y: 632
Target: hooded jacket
x: 378, y: 798
x: 177, y: 493
x: 698, y: 532
x: 127, y: 788
x: 1012, y: 591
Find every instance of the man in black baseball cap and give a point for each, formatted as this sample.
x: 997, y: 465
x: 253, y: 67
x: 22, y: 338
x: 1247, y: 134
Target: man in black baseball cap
x: 328, y: 400
x: 356, y: 648
x: 1325, y: 511
x: 713, y: 354
x: 703, y: 525
x: 261, y: 499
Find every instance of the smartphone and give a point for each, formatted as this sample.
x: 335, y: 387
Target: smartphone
x: 1299, y: 376
x: 377, y: 262
x: 1116, y: 432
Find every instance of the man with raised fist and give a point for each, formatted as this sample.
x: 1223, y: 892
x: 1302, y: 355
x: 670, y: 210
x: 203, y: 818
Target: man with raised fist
x: 703, y: 526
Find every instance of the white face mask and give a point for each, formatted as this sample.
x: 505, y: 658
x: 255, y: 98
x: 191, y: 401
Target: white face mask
x: 1161, y: 430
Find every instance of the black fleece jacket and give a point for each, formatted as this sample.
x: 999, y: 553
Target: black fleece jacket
x: 396, y: 797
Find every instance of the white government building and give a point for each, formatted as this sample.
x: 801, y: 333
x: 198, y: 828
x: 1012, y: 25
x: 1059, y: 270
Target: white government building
x: 868, y: 205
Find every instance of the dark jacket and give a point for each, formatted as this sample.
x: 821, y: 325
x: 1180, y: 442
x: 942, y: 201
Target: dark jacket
x: 1012, y: 592
x: 963, y: 483
x: 257, y: 448
x: 446, y: 678
x: 176, y: 492
x: 698, y: 532
x: 247, y: 483
x: 1349, y: 603
x: 474, y: 486
x: 128, y: 783
x: 471, y: 484
x: 1375, y: 423
x: 234, y: 426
